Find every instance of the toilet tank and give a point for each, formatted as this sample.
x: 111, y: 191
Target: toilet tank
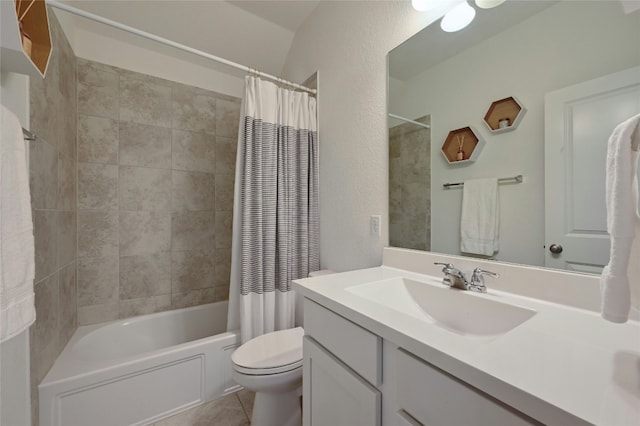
x: 300, y: 299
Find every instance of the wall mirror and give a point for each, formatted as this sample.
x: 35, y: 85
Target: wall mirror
x: 574, y: 66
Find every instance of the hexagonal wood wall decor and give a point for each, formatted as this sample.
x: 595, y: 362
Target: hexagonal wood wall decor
x: 504, y: 115
x: 462, y: 146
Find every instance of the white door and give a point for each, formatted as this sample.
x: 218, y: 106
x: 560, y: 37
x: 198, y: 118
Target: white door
x: 578, y: 122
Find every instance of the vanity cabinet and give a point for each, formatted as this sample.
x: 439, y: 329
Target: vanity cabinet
x: 341, y: 370
x: 334, y: 394
x: 343, y: 384
x: 426, y: 395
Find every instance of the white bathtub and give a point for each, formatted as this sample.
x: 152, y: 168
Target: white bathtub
x: 140, y: 370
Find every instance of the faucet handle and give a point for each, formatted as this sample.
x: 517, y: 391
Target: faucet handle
x: 477, y: 273
x: 446, y: 265
x: 477, y: 280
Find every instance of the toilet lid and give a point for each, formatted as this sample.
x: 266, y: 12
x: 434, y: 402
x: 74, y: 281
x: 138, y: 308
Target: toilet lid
x: 279, y: 350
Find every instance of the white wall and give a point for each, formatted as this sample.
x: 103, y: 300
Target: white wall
x: 113, y: 47
x: 544, y: 54
x: 347, y: 43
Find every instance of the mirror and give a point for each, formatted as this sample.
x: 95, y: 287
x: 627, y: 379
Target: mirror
x: 536, y: 53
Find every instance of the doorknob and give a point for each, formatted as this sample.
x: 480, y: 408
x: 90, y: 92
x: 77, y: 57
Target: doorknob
x: 555, y: 248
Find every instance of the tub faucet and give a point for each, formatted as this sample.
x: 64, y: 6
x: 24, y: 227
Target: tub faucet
x: 454, y: 277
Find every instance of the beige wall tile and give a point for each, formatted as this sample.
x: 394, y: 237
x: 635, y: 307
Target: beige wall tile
x: 225, y: 155
x: 144, y: 102
x: 97, y: 280
x: 227, y: 118
x: 97, y: 233
x: 192, y: 231
x: 223, y: 229
x: 96, y: 314
x: 192, y: 298
x: 144, y: 276
x: 144, y: 232
x: 145, y: 146
x: 97, y: 140
x: 68, y: 299
x: 144, y: 306
x: 66, y: 239
x: 145, y: 189
x: 192, y: 191
x: 67, y: 127
x: 191, y: 270
x: 194, y: 152
x: 47, y: 308
x: 195, y: 112
x: 66, y: 182
x: 97, y: 91
x: 222, y: 262
x: 97, y: 186
x: 43, y: 175
x: 45, y: 234
x: 224, y: 191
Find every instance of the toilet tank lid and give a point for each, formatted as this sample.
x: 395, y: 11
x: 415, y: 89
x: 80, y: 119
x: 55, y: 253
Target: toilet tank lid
x: 321, y: 272
x: 271, y: 350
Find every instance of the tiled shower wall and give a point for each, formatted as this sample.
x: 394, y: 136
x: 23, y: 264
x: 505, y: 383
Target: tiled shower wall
x: 52, y: 173
x: 156, y: 164
x: 409, y: 186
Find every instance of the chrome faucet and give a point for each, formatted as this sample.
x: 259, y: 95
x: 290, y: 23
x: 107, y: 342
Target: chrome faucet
x: 454, y: 277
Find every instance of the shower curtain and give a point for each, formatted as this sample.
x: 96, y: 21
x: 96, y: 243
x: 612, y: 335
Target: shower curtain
x: 275, y: 219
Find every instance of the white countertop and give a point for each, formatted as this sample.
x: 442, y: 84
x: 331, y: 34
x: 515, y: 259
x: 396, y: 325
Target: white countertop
x: 562, y: 366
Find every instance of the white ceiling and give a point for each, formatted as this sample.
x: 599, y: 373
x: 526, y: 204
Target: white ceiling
x: 288, y: 14
x: 257, y: 34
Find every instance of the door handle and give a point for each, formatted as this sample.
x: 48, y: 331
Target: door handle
x: 555, y: 248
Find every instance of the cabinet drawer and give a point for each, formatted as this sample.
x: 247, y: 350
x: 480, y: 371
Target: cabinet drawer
x: 360, y: 349
x: 433, y: 398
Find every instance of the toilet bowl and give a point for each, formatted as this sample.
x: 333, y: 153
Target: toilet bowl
x: 271, y: 366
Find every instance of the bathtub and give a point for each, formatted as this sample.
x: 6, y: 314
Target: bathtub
x: 140, y: 370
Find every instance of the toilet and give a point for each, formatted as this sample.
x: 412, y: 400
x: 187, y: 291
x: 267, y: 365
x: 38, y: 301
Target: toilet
x: 271, y: 366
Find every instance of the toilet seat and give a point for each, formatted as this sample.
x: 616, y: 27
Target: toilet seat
x: 271, y: 353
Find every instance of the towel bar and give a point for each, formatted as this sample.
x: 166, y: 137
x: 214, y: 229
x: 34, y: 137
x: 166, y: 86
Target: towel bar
x: 515, y: 179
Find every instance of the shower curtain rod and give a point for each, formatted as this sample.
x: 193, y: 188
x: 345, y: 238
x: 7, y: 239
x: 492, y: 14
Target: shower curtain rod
x: 408, y: 120
x: 114, y: 24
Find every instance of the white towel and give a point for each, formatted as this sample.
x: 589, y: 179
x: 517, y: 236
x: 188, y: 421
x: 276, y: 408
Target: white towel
x: 621, y: 219
x: 480, y: 218
x: 17, y: 265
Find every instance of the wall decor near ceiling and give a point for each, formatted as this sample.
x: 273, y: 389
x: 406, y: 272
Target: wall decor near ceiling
x: 504, y: 115
x: 462, y: 146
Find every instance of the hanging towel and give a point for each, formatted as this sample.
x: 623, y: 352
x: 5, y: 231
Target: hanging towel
x: 17, y: 265
x: 480, y: 217
x: 621, y: 219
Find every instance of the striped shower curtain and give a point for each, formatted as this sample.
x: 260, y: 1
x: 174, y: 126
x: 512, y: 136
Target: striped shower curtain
x: 275, y: 225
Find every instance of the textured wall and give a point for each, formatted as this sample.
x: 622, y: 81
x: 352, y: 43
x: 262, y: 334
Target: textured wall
x: 53, y: 199
x: 409, y: 186
x: 347, y: 43
x: 156, y: 164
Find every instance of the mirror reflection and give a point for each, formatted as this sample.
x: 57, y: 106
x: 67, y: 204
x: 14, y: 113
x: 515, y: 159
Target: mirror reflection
x: 570, y: 72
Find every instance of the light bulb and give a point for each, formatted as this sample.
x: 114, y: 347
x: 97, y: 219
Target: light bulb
x: 422, y: 5
x: 488, y: 4
x: 458, y: 18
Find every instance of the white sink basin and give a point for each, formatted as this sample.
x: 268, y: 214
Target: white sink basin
x: 457, y: 310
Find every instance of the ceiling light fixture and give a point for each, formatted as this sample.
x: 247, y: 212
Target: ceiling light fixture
x: 488, y: 4
x: 458, y: 18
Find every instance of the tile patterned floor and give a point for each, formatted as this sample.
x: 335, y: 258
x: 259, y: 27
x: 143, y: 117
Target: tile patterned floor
x: 231, y: 410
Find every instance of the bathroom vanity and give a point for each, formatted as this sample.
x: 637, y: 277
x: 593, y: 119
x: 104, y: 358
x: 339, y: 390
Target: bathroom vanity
x: 393, y: 346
